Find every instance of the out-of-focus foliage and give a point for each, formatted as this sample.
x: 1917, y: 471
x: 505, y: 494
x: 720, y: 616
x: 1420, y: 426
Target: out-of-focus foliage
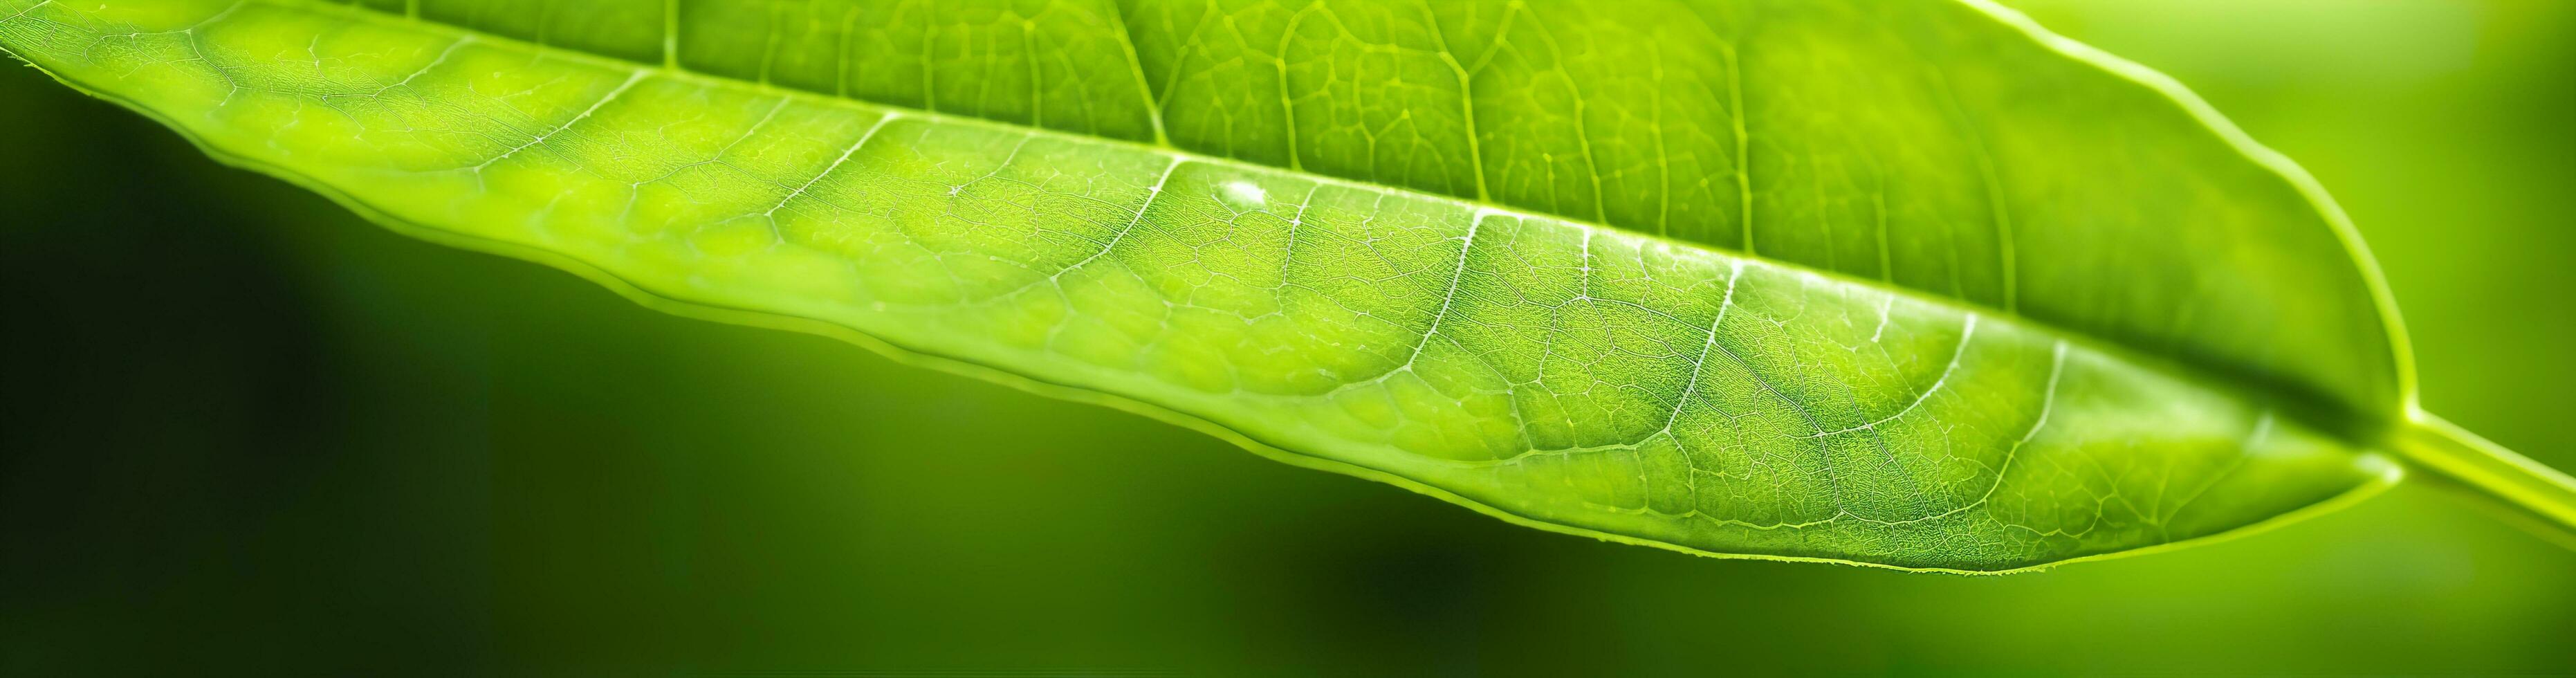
x: 296, y: 442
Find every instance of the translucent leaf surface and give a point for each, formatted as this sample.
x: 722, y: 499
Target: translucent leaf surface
x: 1901, y: 283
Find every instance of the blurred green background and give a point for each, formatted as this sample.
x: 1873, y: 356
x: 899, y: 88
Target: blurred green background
x: 247, y: 432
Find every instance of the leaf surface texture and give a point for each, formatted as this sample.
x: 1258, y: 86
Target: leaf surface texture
x: 1897, y: 283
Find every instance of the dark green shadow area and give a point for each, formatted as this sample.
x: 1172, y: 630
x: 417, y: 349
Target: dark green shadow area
x: 247, y: 433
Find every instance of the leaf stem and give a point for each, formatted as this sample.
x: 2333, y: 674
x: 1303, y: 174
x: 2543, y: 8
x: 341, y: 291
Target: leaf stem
x: 2456, y: 455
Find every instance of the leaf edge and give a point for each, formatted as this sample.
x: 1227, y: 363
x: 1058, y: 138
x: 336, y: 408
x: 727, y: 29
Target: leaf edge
x: 2401, y: 345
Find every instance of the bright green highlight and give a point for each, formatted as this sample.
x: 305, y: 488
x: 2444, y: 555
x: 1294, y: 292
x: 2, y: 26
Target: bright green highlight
x: 1888, y: 283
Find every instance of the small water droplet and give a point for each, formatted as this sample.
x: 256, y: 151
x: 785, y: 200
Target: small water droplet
x: 1243, y: 196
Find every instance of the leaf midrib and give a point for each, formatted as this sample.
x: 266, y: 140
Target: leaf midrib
x: 2322, y: 419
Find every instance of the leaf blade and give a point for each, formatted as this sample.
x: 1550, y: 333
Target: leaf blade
x: 1392, y: 342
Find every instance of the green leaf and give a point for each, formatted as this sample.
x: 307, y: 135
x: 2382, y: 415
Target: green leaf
x: 1900, y: 283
